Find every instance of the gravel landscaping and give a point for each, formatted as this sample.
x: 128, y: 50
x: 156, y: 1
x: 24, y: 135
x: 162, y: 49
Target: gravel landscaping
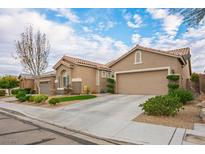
x: 184, y: 119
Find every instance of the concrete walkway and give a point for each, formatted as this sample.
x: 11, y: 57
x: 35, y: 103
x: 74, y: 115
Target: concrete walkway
x: 108, y: 117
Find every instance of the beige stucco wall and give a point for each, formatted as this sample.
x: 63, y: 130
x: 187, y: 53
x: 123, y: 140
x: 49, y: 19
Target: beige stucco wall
x: 149, y: 60
x: 26, y: 83
x: 88, y: 76
x: 185, y: 74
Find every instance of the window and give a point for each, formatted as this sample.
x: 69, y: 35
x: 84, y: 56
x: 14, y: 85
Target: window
x: 109, y: 74
x: 103, y: 74
x: 138, y: 57
x: 59, y: 82
x: 97, y: 78
x: 65, y: 78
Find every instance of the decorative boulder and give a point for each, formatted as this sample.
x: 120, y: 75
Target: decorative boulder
x: 202, y: 114
x: 201, y: 105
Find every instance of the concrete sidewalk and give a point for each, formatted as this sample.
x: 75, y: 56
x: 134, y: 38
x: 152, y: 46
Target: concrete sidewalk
x: 107, y: 117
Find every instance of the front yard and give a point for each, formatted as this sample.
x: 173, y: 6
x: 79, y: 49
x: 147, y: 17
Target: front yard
x: 184, y: 119
x: 23, y: 97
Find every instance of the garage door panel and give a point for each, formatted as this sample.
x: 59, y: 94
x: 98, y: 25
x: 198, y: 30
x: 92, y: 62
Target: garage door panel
x: 45, y: 87
x: 150, y: 83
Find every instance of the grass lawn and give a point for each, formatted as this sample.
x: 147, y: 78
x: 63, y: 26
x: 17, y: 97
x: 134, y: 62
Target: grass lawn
x: 184, y: 119
x: 73, y: 98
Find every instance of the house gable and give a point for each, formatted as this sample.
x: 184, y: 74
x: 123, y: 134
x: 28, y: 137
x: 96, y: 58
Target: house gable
x: 148, y: 60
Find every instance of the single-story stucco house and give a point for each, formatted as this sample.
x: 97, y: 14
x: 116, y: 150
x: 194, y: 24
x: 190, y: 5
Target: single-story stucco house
x: 140, y: 71
x: 144, y: 70
x: 70, y: 75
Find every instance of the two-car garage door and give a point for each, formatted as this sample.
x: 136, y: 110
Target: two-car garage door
x: 143, y: 83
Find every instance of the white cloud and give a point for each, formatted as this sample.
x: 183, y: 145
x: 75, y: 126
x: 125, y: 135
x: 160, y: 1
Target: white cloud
x: 105, y: 25
x: 136, y: 38
x: 137, y: 21
x: 67, y: 13
x: 171, y: 23
x: 63, y: 39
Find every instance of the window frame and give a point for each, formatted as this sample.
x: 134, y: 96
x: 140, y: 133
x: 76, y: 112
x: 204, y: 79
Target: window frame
x: 103, y: 74
x: 140, y: 59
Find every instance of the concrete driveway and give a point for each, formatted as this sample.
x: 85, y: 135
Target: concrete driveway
x: 108, y: 116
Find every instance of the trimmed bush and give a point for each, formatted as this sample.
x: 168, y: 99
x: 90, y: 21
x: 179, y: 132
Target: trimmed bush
x: 23, y: 98
x: 15, y: 91
x: 53, y: 101
x: 162, y: 105
x: 31, y: 98
x: 40, y: 98
x: 173, y: 77
x: 110, y: 85
x: 184, y: 95
x: 2, y: 92
x: 173, y: 86
x: 27, y: 90
x: 194, y: 77
x: 21, y: 93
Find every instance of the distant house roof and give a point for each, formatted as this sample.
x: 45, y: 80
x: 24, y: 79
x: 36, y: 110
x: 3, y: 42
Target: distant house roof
x: 178, y: 53
x: 79, y: 61
x: 26, y: 76
x: 29, y: 76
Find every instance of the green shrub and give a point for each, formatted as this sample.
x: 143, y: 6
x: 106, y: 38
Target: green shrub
x: 173, y: 77
x: 23, y: 98
x: 162, y: 105
x: 21, y: 93
x: 31, y: 98
x: 40, y: 98
x: 53, y: 101
x: 27, y: 90
x: 173, y: 86
x: 110, y: 85
x: 184, y: 95
x: 14, y: 91
x: 2, y: 92
x: 194, y: 77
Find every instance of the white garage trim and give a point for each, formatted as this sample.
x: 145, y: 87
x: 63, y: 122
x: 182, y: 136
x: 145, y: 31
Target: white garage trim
x: 76, y: 79
x: 46, y: 80
x: 144, y: 70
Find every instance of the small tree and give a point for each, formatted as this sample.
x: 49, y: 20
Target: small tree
x: 8, y: 82
x: 33, y: 50
x: 110, y: 85
x: 194, y: 77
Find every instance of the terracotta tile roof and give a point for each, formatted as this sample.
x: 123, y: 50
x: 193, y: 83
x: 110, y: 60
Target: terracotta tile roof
x: 85, y: 62
x: 176, y: 52
x: 179, y: 52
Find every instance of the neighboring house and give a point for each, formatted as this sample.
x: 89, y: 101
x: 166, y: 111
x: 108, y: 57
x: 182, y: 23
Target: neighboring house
x: 144, y: 70
x: 26, y: 81
x: 72, y: 75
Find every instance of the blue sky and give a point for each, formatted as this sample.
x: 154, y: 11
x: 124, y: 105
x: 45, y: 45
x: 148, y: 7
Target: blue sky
x: 99, y: 35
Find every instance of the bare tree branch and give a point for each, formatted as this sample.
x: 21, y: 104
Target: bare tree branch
x: 33, y: 50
